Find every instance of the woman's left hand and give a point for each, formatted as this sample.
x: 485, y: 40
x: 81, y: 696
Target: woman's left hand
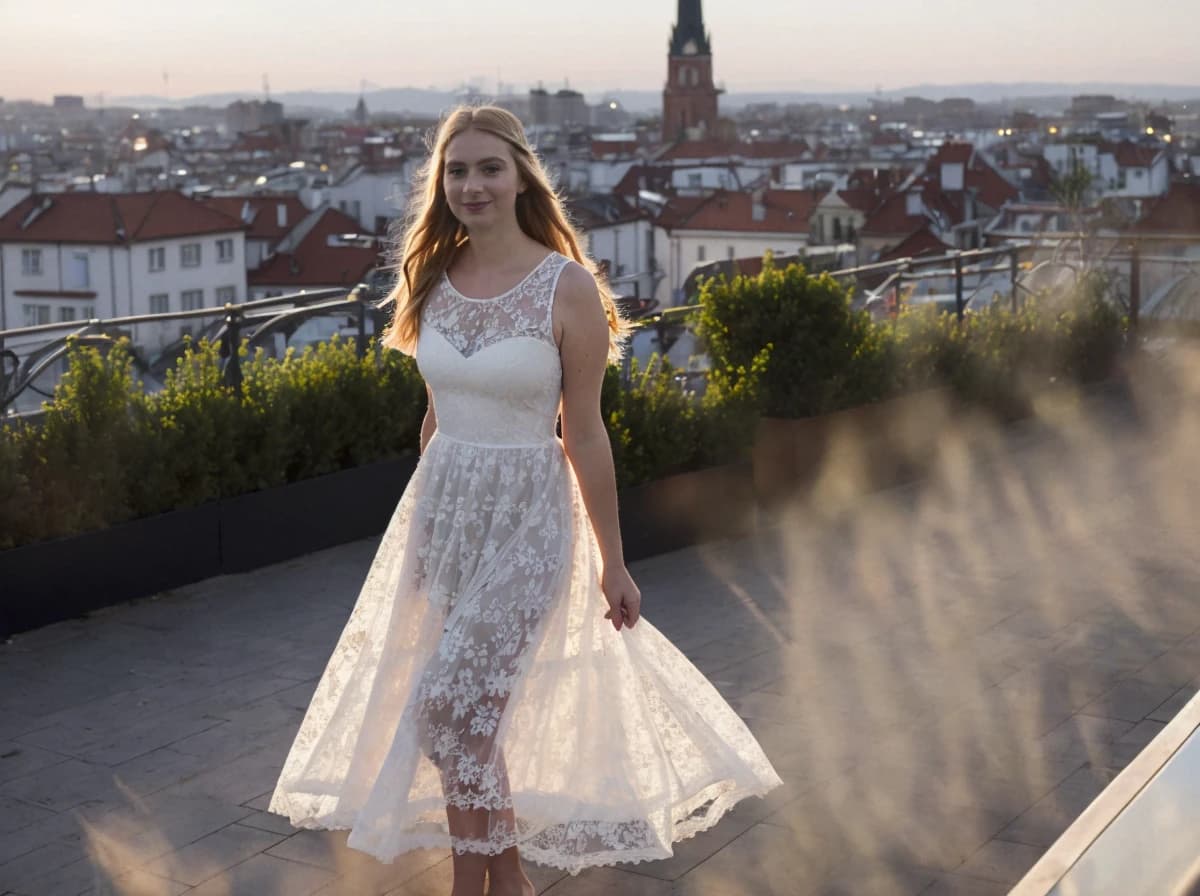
x: 624, y: 598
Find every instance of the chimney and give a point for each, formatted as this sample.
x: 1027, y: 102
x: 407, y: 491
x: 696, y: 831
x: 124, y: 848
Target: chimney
x: 758, y: 210
x: 912, y: 203
x: 281, y: 215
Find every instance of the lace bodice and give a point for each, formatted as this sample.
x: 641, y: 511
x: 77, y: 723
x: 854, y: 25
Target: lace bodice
x: 492, y: 364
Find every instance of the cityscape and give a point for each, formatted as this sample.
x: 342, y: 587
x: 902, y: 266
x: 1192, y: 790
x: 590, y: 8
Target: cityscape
x: 110, y: 211
x: 903, y: 448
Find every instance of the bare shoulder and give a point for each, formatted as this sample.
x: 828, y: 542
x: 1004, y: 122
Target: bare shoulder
x: 577, y: 298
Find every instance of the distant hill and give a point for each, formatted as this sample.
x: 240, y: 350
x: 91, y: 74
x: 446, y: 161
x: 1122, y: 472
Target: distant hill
x: 431, y: 101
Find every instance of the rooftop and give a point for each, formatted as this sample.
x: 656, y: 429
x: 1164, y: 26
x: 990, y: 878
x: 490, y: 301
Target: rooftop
x: 945, y: 674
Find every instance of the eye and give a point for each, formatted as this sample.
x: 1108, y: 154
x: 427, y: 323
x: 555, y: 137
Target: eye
x: 491, y: 169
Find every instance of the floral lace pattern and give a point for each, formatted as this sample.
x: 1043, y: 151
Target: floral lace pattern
x: 477, y: 698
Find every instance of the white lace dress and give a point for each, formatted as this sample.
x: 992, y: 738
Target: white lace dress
x: 476, y: 669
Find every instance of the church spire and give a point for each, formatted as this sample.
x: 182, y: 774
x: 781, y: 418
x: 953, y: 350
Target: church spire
x: 688, y: 37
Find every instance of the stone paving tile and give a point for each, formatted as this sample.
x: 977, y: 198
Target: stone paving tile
x: 766, y: 860
x: 878, y: 880
x: 266, y: 874
x: 210, y: 855
x: 269, y: 821
x: 609, y: 882
x: 139, y: 883
x: 1002, y: 861
x: 373, y: 878
x: 17, y: 759
x: 960, y: 885
x: 1173, y: 704
x: 1131, y: 700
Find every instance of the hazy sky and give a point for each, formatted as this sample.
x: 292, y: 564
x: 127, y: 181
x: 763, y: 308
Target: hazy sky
x: 122, y: 48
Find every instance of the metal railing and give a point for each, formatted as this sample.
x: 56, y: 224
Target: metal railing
x: 254, y: 320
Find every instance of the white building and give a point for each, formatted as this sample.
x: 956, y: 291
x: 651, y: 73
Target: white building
x: 373, y: 193
x: 75, y: 256
x: 620, y: 238
x: 727, y: 225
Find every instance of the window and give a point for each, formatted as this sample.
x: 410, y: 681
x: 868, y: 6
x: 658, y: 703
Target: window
x: 226, y: 294
x: 79, y: 271
x: 700, y: 253
x: 31, y: 262
x: 191, y: 299
x: 160, y: 303
x: 158, y: 259
x: 189, y: 255
x: 66, y: 313
x: 696, y: 180
x: 36, y: 315
x: 225, y: 250
x: 89, y: 312
x: 730, y: 253
x: 837, y: 230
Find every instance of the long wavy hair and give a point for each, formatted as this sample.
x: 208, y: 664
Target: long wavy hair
x: 431, y: 235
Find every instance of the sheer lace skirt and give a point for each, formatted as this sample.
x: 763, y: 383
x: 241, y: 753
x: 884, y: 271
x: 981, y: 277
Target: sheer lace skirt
x: 477, y: 676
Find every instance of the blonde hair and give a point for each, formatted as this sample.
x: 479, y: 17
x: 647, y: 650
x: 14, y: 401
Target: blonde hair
x: 431, y: 234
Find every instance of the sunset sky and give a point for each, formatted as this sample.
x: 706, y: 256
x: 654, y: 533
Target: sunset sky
x: 122, y: 48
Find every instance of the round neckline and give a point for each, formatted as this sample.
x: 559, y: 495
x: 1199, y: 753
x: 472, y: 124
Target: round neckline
x: 454, y: 289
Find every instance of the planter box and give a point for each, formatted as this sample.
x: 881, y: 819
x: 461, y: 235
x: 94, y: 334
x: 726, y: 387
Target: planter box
x: 56, y: 580
x: 278, y: 524
x: 849, y: 452
x: 685, y: 509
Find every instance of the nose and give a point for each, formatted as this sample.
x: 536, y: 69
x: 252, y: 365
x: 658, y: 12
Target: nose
x: 470, y: 184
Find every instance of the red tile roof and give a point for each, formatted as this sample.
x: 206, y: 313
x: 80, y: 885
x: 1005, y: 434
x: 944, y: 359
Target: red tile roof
x: 1176, y: 212
x: 264, y: 217
x: 720, y: 149
x: 112, y: 218
x: 891, y: 218
x: 1131, y: 155
x: 860, y: 200
x: 952, y: 153
x: 919, y: 242
x: 315, y: 263
x: 784, y: 211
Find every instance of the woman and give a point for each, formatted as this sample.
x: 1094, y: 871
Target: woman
x: 478, y: 698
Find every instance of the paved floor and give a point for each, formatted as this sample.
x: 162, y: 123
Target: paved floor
x: 945, y: 675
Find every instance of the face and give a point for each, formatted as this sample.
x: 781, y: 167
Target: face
x: 481, y: 179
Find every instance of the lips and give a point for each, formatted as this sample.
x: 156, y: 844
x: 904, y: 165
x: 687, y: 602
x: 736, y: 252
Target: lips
x: 475, y: 207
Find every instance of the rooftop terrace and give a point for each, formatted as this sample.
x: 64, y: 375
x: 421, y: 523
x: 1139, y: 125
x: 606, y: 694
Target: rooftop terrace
x: 945, y: 674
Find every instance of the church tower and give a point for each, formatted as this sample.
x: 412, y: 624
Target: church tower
x: 690, y: 97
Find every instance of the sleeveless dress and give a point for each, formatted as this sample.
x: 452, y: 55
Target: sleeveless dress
x: 477, y: 670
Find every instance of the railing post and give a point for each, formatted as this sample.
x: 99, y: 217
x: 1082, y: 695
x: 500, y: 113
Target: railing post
x: 231, y: 343
x: 360, y: 308
x: 1135, y: 284
x: 1012, y: 273
x: 958, y: 285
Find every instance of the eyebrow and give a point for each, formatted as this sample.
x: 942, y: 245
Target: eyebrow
x: 480, y: 162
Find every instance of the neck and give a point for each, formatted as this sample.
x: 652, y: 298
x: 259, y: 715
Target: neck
x: 495, y: 248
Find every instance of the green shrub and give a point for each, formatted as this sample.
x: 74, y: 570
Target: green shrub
x: 105, y: 451
x: 653, y: 424
x: 824, y: 356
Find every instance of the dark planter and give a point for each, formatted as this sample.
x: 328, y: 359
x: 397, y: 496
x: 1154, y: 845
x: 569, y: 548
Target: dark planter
x: 55, y: 580
x: 277, y: 524
x: 849, y: 452
x: 686, y: 509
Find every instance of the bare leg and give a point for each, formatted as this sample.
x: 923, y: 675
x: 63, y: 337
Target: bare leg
x: 470, y: 868
x: 506, y: 877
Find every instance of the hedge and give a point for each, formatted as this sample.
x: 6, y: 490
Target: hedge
x: 784, y: 343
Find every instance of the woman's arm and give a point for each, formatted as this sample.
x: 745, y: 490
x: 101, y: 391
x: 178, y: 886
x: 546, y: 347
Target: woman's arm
x: 428, y: 422
x: 581, y: 330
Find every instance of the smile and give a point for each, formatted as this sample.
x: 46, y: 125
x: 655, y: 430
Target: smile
x: 475, y: 206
